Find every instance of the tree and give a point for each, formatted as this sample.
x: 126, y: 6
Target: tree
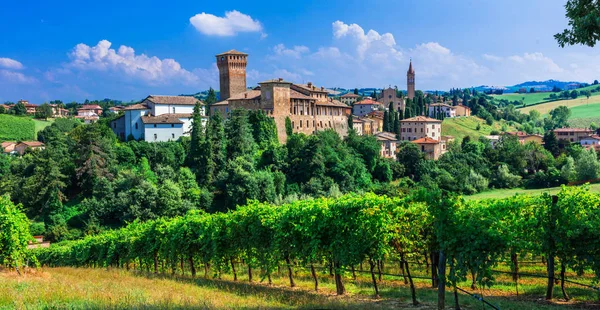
x: 289, y: 130
x: 560, y: 116
x: 410, y: 156
x: 19, y: 109
x: 197, y: 138
x: 568, y: 172
x: 583, y: 16
x: 595, y: 82
x: 356, y: 91
x: 573, y: 94
x: 43, y: 111
x: 350, y: 122
x: 587, y: 166
x: 551, y: 143
x: 215, y: 148
x: 386, y: 121
x: 392, y: 117
x: 2, y: 109
x: 14, y: 234
x: 211, y: 97
x: 264, y: 129
x: 238, y: 132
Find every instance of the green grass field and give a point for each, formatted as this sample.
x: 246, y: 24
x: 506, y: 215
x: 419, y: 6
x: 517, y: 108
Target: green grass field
x: 83, y: 288
x: 41, y: 124
x: 545, y: 108
x: 586, y: 111
x: 16, y: 128
x: 529, y: 98
x: 459, y: 127
x: 503, y: 193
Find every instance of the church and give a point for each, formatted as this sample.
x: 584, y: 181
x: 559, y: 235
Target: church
x: 390, y: 95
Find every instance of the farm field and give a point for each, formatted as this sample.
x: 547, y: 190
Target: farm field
x: 530, y: 98
x: 545, y: 108
x: 14, y: 128
x: 98, y: 289
x: 586, y: 111
x: 41, y: 124
x: 504, y: 193
x: 460, y: 127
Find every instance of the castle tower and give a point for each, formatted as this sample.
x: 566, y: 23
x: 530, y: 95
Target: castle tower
x: 410, y: 81
x: 232, y: 73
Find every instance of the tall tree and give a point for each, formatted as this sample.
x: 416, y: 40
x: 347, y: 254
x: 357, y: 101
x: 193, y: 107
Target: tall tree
x: 215, y: 148
x: 19, y: 109
x: 391, y: 116
x: 289, y: 130
x: 356, y: 91
x: 551, y: 143
x: 43, y: 111
x: 211, y: 97
x: 264, y: 129
x: 386, y: 121
x: 238, y: 131
x: 583, y: 16
x: 350, y: 122
x: 197, y: 138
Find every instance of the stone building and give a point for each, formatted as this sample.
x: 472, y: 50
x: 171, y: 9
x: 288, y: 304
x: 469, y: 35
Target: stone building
x: 446, y: 110
x: 462, y: 110
x: 388, y: 143
x: 365, y: 107
x: 349, y: 98
x: 572, y: 134
x: 232, y: 73
x: 389, y: 95
x: 432, y: 148
x: 308, y: 107
x: 410, y: 82
x: 420, y: 127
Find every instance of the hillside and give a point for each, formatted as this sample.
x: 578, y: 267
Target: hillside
x: 528, y: 98
x: 461, y: 127
x: 16, y: 128
x: 545, y: 108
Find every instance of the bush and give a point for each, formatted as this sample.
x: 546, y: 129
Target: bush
x: 14, y: 128
x: 504, y: 179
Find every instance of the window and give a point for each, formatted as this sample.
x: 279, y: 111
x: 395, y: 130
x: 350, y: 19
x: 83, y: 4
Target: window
x: 300, y: 124
x: 172, y: 125
x: 422, y: 148
x: 173, y: 110
x: 115, y: 125
x: 307, y: 124
x: 155, y: 137
x: 173, y: 135
x: 154, y: 125
x: 136, y: 125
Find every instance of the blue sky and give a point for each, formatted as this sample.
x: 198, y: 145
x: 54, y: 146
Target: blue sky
x: 73, y: 50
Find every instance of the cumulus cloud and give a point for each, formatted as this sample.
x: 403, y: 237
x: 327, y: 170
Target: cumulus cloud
x: 10, y: 64
x: 232, y: 23
x: 366, y: 42
x: 295, y: 52
x: 124, y: 60
x: 16, y: 77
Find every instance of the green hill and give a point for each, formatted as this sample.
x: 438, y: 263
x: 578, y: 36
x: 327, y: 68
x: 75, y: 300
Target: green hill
x: 460, y: 127
x: 16, y: 128
x: 528, y: 98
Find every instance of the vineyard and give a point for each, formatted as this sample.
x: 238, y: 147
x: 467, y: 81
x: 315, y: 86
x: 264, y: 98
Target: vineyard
x: 457, y: 240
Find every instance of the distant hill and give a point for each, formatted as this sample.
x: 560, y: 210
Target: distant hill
x: 539, y: 86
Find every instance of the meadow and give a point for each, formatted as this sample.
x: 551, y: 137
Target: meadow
x: 459, y: 127
x: 504, y: 192
x: 16, y: 128
x: 545, y: 108
x: 84, y: 288
x: 41, y: 124
x: 528, y: 98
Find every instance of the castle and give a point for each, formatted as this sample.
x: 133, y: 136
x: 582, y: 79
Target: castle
x: 308, y: 107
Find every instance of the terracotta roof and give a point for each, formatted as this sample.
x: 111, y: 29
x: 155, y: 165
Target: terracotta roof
x: 572, y: 130
x: 463, y: 106
x: 137, y: 106
x: 183, y: 100
x: 232, y: 52
x: 32, y: 143
x: 367, y: 101
x: 90, y: 107
x: 220, y: 103
x: 173, y: 118
x: 30, y: 105
x: 376, y: 114
x: 357, y: 120
x: 385, y: 136
x: 333, y: 103
x: 350, y: 95
x: 313, y: 88
x: 517, y: 133
x: 442, y: 105
x: 421, y: 119
x: 595, y: 137
x: 298, y: 95
x: 426, y: 140
x: 279, y: 80
x: 8, y: 146
x: 249, y: 94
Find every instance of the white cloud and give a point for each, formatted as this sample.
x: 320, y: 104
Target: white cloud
x: 16, y: 77
x: 10, y: 64
x: 233, y: 23
x: 366, y: 43
x: 124, y: 60
x: 295, y: 52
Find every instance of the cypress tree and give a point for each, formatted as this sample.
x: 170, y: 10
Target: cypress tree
x: 214, y: 146
x: 197, y: 138
x: 239, y: 135
x: 350, y: 122
x: 386, y: 121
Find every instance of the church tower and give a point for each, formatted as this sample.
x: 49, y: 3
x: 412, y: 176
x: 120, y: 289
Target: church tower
x: 410, y: 81
x: 232, y: 73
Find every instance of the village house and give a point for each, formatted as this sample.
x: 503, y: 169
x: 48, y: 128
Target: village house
x: 89, y: 113
x: 365, y: 107
x: 308, y: 107
x: 388, y: 143
x: 376, y: 118
x: 432, y: 148
x: 525, y: 137
x: 157, y: 119
x: 494, y: 139
x: 358, y: 125
x: 572, y: 134
x: 445, y: 110
x: 420, y: 127
x: 19, y: 148
x: 29, y: 107
x: 462, y: 110
x: 58, y: 111
x: 116, y: 109
x: 349, y: 98
x: 8, y: 147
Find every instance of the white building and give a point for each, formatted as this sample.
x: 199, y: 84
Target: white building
x: 365, y: 107
x: 157, y: 118
x: 444, y: 109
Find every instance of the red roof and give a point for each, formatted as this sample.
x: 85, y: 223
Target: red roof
x: 426, y: 140
x: 573, y: 130
x: 367, y: 101
x: 421, y: 119
x: 90, y: 107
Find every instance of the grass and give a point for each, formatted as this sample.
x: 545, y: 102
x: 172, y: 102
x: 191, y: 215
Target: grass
x: 530, y: 98
x: 503, y: 193
x: 16, y: 128
x: 459, y: 127
x: 545, y: 108
x: 120, y: 289
x: 584, y: 111
x: 41, y: 124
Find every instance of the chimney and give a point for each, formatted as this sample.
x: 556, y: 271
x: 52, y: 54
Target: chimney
x: 309, y: 84
x: 280, y: 80
x: 322, y: 88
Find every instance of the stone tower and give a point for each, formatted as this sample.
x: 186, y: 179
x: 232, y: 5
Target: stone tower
x: 232, y: 73
x: 410, y: 81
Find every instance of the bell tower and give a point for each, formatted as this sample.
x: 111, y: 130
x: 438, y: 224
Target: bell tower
x: 232, y: 73
x: 410, y: 81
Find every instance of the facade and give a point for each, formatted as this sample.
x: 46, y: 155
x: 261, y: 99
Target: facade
x: 309, y: 107
x: 432, y: 148
x: 525, y: 137
x: 376, y: 118
x: 410, y: 82
x: 590, y: 140
x: 89, y: 113
x: 365, y: 107
x: 572, y: 134
x: 462, y: 110
x: 389, y: 95
x: 368, y: 125
x: 232, y: 73
x: 349, y: 98
x: 388, y: 143
x: 445, y: 109
x: 157, y: 119
x: 420, y: 127
x: 358, y: 125
x: 58, y: 111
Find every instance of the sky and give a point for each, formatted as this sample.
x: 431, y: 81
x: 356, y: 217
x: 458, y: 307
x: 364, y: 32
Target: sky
x: 126, y: 50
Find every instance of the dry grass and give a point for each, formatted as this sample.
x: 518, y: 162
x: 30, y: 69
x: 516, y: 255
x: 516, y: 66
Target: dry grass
x: 545, y: 108
x: 118, y: 289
